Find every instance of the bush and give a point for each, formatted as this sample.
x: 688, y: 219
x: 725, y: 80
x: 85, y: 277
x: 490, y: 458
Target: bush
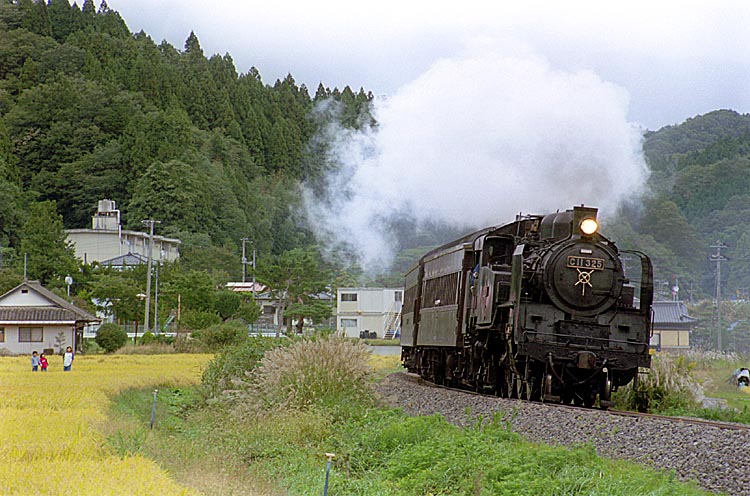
x: 330, y: 372
x: 231, y: 369
x: 199, y: 319
x: 147, y: 338
x: 218, y: 336
x: 111, y: 337
x: 90, y: 346
x: 184, y: 343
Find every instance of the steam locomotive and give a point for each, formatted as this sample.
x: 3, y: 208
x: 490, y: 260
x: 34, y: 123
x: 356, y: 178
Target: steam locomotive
x: 544, y: 308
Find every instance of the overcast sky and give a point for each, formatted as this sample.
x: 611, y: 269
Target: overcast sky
x: 674, y: 60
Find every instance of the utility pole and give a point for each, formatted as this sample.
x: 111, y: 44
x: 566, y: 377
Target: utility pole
x: 718, y: 258
x: 244, y: 262
x: 156, y: 301
x: 150, y: 223
x: 253, y: 272
x: 244, y: 259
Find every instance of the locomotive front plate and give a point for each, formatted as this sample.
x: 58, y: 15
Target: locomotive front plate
x: 576, y: 262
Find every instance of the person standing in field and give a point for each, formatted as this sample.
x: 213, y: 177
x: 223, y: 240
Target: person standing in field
x: 43, y: 362
x: 34, y: 361
x: 68, y: 359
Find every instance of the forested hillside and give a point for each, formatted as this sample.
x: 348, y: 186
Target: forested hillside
x: 91, y: 111
x: 699, y: 195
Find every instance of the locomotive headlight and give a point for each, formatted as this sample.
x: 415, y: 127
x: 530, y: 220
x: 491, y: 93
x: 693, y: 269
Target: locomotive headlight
x: 589, y: 226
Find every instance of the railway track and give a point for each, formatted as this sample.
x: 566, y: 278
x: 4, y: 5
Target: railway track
x: 620, y: 413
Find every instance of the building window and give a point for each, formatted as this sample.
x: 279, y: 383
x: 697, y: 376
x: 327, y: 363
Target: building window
x: 348, y: 323
x: 29, y: 334
x: 348, y: 296
x: 2, y: 334
x: 269, y: 310
x: 398, y: 295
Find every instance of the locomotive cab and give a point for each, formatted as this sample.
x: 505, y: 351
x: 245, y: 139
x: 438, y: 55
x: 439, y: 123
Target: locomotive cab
x: 498, y: 252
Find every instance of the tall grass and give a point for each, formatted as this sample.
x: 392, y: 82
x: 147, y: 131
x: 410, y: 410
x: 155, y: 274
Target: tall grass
x: 668, y: 386
x: 329, y: 372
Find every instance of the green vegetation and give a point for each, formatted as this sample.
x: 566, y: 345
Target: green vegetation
x: 698, y: 194
x: 111, y: 337
x: 715, y: 373
x: 666, y: 387
x: 89, y: 110
x: 217, y: 336
x: 277, y: 445
x: 675, y: 385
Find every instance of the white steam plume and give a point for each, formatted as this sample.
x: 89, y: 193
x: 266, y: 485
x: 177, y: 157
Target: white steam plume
x: 472, y: 142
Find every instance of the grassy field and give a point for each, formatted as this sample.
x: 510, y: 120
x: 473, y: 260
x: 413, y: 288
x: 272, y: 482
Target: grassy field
x: 87, y: 432
x: 380, y: 452
x: 713, y: 372
x: 52, y: 438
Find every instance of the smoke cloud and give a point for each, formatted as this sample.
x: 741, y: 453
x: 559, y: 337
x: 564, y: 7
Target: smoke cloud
x: 474, y: 141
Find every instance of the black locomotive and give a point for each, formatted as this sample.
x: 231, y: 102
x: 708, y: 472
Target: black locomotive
x: 544, y: 308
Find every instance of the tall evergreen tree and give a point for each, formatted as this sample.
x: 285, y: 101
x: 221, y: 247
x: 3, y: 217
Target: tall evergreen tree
x: 44, y: 244
x: 61, y: 18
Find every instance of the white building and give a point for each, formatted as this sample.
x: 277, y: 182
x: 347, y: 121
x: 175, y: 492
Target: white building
x: 107, y: 243
x: 33, y: 318
x: 371, y: 310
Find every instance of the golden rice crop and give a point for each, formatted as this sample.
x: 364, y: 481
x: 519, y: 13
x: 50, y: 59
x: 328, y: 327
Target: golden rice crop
x: 49, y: 441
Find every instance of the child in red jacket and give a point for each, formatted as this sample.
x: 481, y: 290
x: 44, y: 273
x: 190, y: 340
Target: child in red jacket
x: 43, y: 362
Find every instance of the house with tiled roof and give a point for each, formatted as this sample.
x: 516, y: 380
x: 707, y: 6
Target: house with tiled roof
x: 34, y: 318
x: 671, y: 326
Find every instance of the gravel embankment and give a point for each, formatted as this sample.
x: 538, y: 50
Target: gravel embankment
x: 714, y: 458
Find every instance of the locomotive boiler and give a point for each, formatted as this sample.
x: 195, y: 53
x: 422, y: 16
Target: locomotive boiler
x: 543, y: 308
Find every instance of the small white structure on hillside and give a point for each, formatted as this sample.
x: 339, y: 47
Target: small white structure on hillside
x: 369, y: 310
x: 109, y: 244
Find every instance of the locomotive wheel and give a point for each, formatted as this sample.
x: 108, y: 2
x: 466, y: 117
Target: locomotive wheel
x: 605, y: 396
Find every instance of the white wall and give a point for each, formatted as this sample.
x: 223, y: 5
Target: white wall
x: 49, y: 333
x: 371, y: 310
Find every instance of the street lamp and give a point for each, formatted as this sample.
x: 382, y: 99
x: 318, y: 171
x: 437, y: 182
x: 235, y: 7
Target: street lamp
x: 68, y: 281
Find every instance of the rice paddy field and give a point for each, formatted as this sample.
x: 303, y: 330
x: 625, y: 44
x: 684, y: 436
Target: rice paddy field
x: 51, y: 434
